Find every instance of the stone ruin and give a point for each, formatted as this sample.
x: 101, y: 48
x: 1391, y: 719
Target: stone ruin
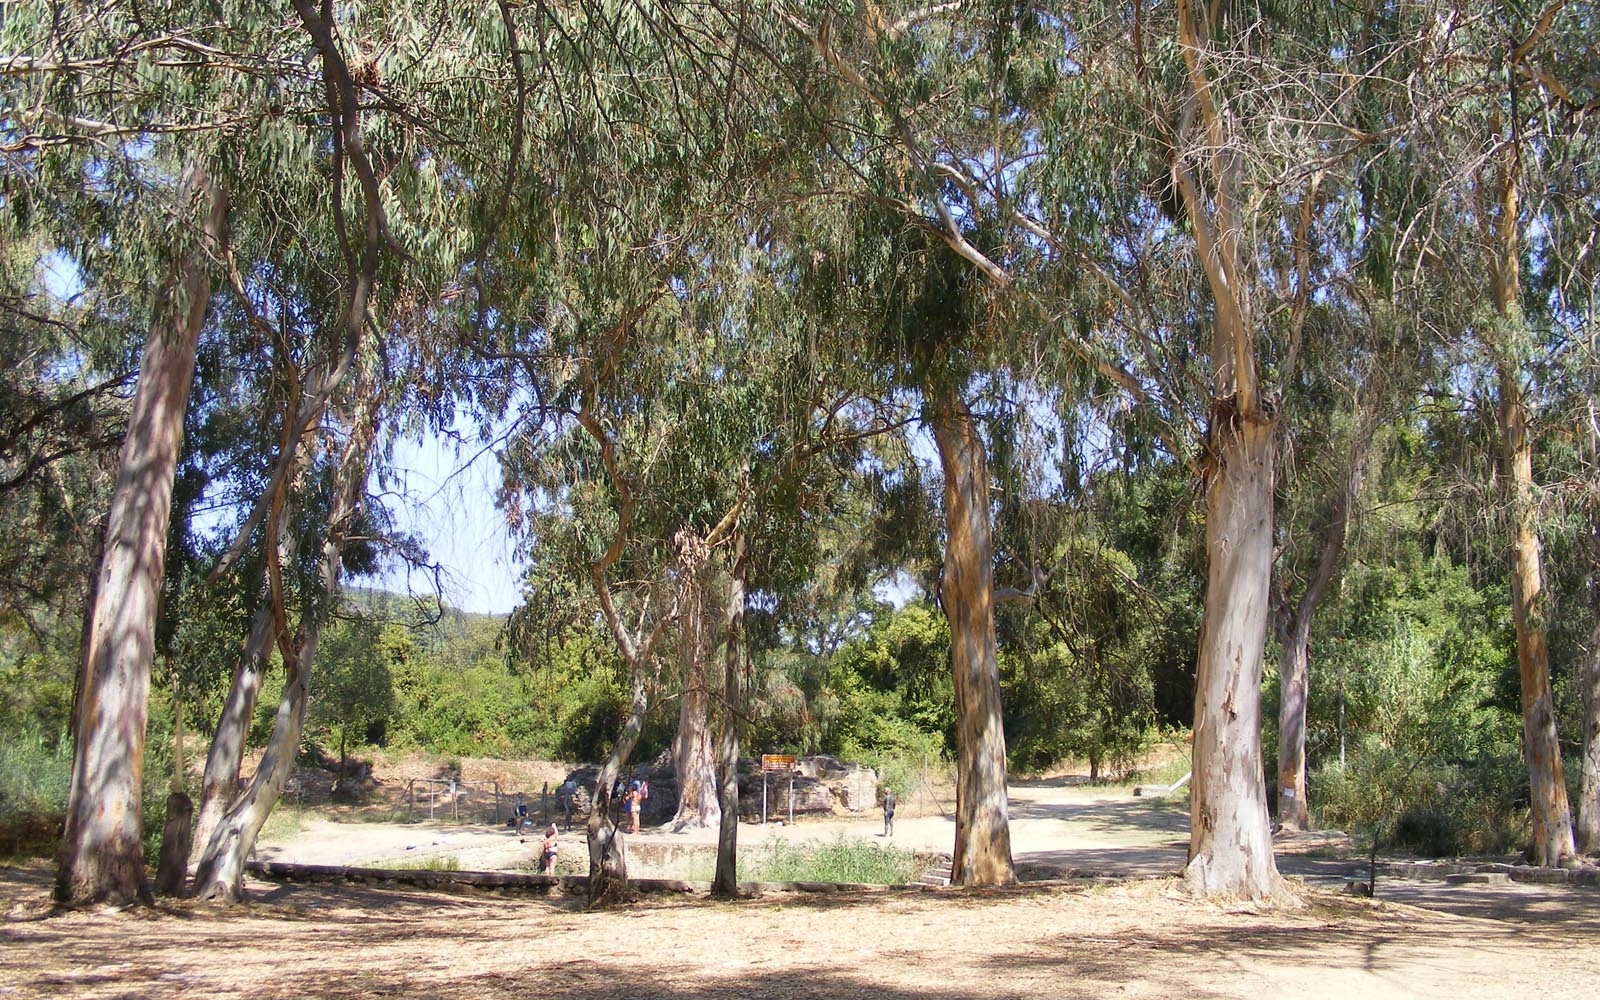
x: 823, y: 786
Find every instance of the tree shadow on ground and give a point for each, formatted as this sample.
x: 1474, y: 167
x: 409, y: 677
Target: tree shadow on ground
x: 1108, y: 816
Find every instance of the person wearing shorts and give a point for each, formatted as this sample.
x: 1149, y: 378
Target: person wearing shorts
x: 547, y: 851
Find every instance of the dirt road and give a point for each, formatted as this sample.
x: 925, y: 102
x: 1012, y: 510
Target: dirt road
x: 1143, y: 938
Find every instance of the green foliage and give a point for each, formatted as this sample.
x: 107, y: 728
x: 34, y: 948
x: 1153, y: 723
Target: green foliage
x: 890, y: 689
x: 34, y: 774
x: 1433, y: 807
x: 354, y: 697
x: 436, y: 863
x: 839, y: 860
x: 1432, y: 759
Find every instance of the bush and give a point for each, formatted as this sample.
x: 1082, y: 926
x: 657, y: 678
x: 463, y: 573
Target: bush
x: 1432, y: 808
x: 35, y: 774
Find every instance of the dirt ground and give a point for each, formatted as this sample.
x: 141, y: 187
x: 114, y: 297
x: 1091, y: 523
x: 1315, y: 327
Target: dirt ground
x: 1140, y: 937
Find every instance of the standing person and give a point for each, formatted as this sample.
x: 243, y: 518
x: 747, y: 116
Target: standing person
x: 547, y: 851
x: 567, y: 792
x: 631, y: 803
x: 888, y: 813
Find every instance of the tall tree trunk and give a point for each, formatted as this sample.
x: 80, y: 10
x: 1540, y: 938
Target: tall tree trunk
x: 726, y: 880
x: 1230, y: 846
x: 1551, y: 812
x: 693, y: 751
x: 1294, y: 691
x: 220, y: 781
x: 608, y: 863
x: 220, y: 874
x: 982, y: 854
x: 102, y: 859
x: 1588, y: 826
x: 1547, y: 789
x: 1293, y: 663
x: 1589, y: 780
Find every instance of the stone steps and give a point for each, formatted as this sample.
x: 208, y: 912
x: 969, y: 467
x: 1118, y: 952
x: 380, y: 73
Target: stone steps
x: 938, y: 871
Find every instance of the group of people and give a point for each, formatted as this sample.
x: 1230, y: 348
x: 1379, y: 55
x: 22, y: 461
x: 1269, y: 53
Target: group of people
x: 633, y: 797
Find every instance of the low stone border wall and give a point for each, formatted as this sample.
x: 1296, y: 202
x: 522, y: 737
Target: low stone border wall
x: 1444, y: 870
x: 527, y: 883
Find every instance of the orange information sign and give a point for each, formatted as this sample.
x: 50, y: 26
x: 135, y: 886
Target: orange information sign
x: 777, y: 762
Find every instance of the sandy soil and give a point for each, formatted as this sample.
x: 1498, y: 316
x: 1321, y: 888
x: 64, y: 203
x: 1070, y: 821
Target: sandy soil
x: 1059, y: 826
x: 1141, y: 938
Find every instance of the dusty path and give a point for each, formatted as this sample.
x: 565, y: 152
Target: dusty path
x: 1138, y: 939
x: 1132, y: 939
x: 1057, y: 825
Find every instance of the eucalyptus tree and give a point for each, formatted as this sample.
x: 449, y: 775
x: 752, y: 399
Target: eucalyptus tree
x: 246, y: 97
x: 1003, y: 134
x: 1508, y: 147
x: 1368, y: 335
x: 60, y: 79
x: 408, y: 175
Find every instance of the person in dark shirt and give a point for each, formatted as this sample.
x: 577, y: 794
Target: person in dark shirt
x: 888, y: 813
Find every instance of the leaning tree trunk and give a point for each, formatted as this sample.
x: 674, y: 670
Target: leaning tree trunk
x: 220, y: 782
x: 1294, y: 688
x: 982, y: 854
x: 726, y: 880
x: 693, y: 750
x: 1551, y: 812
x: 102, y: 858
x: 608, y: 862
x: 220, y: 874
x: 1230, y: 845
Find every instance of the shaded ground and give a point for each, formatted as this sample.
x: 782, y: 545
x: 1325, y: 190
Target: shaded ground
x: 1142, y: 938
x: 1137, y: 939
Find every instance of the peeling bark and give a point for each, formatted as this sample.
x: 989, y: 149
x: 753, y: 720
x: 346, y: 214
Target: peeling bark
x: 1550, y: 811
x: 982, y: 854
x: 102, y: 858
x: 726, y: 880
x: 693, y: 751
x: 1230, y: 846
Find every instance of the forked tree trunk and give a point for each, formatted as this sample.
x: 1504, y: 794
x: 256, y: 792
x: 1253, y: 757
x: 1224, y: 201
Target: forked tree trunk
x: 725, y: 882
x: 102, y: 858
x: 220, y: 782
x: 220, y: 874
x: 693, y: 751
x: 982, y: 854
x: 1551, y: 812
x: 1589, y: 779
x: 1230, y: 845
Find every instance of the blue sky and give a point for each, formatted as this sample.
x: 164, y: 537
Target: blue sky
x: 447, y: 499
